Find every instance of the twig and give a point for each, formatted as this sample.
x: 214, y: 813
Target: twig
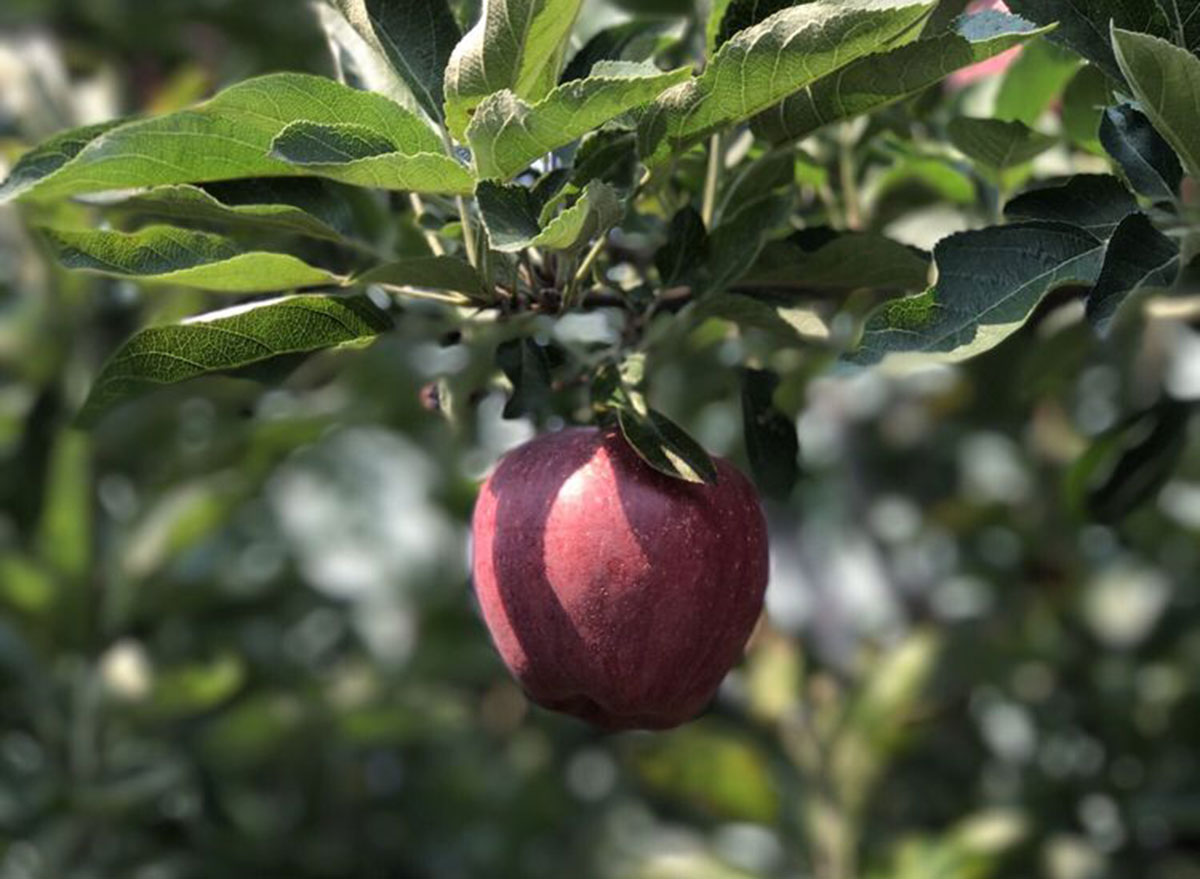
x: 708, y: 209
x: 435, y: 243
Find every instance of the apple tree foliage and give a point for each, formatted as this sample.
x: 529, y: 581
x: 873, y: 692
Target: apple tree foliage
x: 653, y: 173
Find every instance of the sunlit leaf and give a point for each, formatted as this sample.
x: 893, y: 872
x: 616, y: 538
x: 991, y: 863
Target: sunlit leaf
x: 878, y: 80
x: 506, y: 133
x: 358, y: 155
x: 225, y: 138
x: 775, y: 58
x: 1166, y: 81
x: 989, y: 282
x: 517, y: 45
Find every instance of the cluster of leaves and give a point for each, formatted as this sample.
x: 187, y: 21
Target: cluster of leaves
x: 541, y: 181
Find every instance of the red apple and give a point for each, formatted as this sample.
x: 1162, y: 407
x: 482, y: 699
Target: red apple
x: 613, y: 592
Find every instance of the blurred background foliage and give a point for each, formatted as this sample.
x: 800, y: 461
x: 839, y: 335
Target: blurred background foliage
x: 237, y: 636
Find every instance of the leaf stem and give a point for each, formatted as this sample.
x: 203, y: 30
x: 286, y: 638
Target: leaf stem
x: 584, y: 269
x: 849, y: 179
x: 435, y: 243
x: 464, y: 214
x: 711, y: 179
x: 413, y: 293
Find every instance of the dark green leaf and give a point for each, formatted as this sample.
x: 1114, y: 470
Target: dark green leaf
x: 1126, y: 466
x: 1138, y: 256
x: 170, y: 255
x: 771, y: 441
x: 638, y: 40
x: 512, y: 215
x: 229, y: 340
x: 817, y: 260
x: 528, y: 368
x: 686, y: 249
x: 996, y: 144
x: 1084, y: 27
x: 416, y: 36
x: 734, y: 245
x: 608, y: 156
x: 1147, y: 160
x: 989, y: 282
x: 665, y: 446
x: 1096, y: 202
x: 757, y: 179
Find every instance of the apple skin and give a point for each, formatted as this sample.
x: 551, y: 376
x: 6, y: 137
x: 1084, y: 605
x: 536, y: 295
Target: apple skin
x: 612, y: 592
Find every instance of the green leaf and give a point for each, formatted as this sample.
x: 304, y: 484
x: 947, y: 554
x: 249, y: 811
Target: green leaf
x: 784, y: 326
x: 1166, y: 80
x: 609, y: 156
x: 637, y: 40
x: 64, y: 534
x: 416, y: 36
x: 359, y: 155
x: 686, y: 249
x: 755, y: 180
x: 665, y: 446
x: 1084, y: 27
x: 717, y: 771
x: 182, y: 257
x: 1138, y: 256
x: 736, y: 243
x: 1034, y: 80
x: 878, y: 80
x: 296, y: 207
x: 775, y: 58
x: 1083, y: 103
x: 517, y: 45
x: 815, y: 260
x: 877, y: 720
x: 1096, y: 202
x: 989, y: 282
x: 506, y: 133
x: 431, y: 273
x: 512, y: 216
x: 528, y: 367
x: 996, y: 144
x: 1148, y: 161
x: 225, y: 138
x: 772, y: 444
x: 229, y: 340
